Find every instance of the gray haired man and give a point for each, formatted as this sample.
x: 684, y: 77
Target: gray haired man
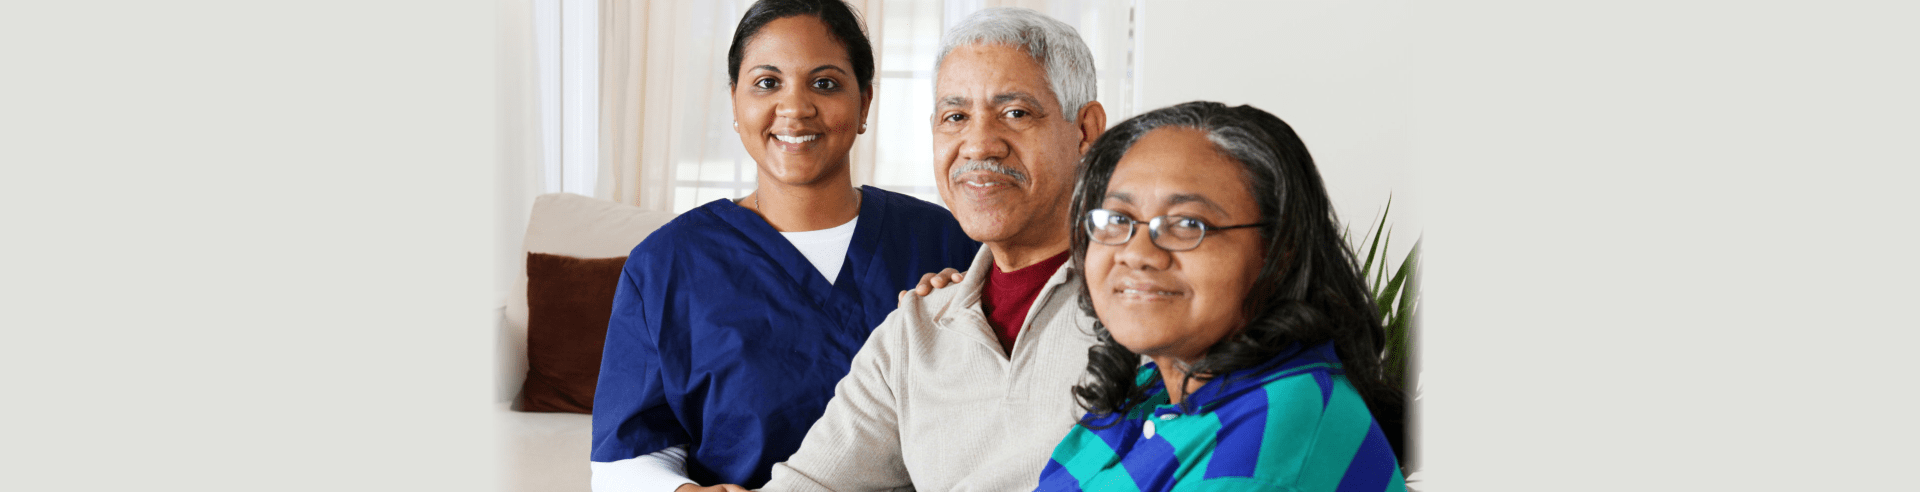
x: 970, y: 388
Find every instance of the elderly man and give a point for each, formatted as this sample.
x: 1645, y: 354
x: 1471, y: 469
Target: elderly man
x: 970, y: 388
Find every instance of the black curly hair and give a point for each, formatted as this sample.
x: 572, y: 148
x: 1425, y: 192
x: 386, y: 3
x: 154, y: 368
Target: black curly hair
x: 1309, y: 290
x: 839, y: 18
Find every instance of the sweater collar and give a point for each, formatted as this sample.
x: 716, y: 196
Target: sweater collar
x: 1294, y: 360
x: 962, y: 312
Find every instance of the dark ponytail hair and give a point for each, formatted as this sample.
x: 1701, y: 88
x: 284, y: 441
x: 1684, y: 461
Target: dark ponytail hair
x: 839, y: 18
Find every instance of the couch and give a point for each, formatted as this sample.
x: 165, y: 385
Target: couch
x: 547, y: 451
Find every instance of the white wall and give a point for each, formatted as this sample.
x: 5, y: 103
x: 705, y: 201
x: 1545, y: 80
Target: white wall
x: 1334, y: 70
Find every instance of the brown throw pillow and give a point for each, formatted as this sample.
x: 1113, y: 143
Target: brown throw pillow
x: 568, y: 302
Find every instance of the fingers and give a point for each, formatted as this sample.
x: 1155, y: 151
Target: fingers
x: 926, y: 285
x: 932, y: 281
x: 947, y: 277
x: 941, y: 279
x: 725, y: 487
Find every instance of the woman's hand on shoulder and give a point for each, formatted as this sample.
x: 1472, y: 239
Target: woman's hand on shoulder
x: 932, y: 281
x: 725, y: 487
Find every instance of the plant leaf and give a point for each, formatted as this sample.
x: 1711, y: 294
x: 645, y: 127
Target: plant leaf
x: 1400, y: 276
x: 1380, y: 274
x: 1398, y: 340
x: 1410, y: 268
x: 1403, y: 319
x: 1383, y: 302
x: 1367, y: 266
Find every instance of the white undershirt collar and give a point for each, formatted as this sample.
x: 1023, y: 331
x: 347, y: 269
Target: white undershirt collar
x: 825, y: 248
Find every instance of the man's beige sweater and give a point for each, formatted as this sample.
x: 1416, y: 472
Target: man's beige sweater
x: 933, y: 403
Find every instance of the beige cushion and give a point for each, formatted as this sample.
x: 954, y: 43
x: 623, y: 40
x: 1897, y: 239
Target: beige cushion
x: 569, y: 225
x: 544, y: 451
x: 582, y: 227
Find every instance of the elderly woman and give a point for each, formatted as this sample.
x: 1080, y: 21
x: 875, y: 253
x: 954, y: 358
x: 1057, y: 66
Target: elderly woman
x: 1263, y: 340
x: 732, y: 323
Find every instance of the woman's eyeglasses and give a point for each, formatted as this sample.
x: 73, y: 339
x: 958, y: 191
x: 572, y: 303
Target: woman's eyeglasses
x: 1169, y: 232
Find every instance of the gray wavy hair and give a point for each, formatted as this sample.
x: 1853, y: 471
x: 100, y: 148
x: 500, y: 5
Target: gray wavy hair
x: 1058, y: 48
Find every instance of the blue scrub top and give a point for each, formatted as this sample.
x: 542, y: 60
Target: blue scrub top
x: 726, y: 339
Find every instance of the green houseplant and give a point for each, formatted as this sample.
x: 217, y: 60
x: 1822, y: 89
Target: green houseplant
x: 1396, y: 293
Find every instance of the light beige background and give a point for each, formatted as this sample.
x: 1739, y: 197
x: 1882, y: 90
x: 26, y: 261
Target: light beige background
x: 1667, y: 244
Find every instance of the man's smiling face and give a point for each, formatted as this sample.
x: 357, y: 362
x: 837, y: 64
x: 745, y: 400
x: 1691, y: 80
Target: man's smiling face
x: 1004, y: 151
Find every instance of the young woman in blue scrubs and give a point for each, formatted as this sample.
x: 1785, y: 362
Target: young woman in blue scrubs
x: 732, y: 323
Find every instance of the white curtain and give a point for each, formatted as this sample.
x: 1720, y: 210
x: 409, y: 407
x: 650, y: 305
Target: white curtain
x: 521, y: 161
x: 873, y: 13
x: 666, y: 137
x: 665, y: 114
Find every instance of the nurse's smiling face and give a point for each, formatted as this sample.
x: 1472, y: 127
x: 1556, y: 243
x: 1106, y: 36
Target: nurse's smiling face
x: 1174, y: 305
x: 797, y: 103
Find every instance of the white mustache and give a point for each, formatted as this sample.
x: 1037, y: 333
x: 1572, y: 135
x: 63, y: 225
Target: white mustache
x: 988, y: 165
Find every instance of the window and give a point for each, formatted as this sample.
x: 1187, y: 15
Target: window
x: 708, y: 160
x: 567, y: 51
x: 909, y: 36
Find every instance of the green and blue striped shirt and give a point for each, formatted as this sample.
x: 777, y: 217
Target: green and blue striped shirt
x: 1292, y: 424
